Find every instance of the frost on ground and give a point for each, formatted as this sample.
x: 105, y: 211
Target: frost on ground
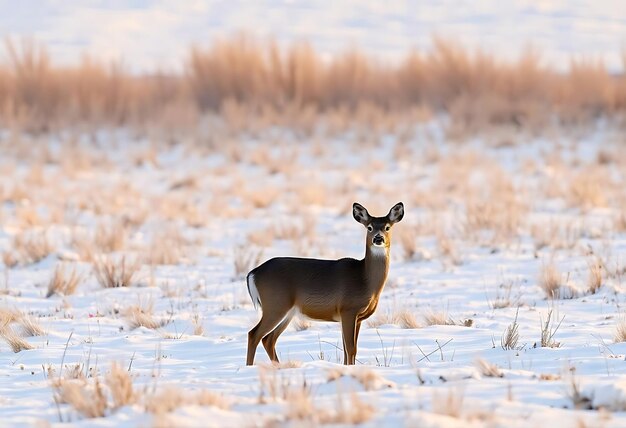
x: 123, y: 300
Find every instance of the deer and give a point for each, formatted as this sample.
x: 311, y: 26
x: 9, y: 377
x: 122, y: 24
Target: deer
x: 345, y: 290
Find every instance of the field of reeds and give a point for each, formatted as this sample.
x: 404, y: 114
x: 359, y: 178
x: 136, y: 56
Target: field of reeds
x: 293, y: 84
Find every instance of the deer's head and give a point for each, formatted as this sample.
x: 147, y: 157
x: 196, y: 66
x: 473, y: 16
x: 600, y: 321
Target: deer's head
x: 378, y: 228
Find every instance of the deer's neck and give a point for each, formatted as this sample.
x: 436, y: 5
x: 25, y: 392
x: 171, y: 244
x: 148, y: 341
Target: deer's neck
x: 376, y: 264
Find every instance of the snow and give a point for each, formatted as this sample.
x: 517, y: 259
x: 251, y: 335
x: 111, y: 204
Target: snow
x: 410, y: 372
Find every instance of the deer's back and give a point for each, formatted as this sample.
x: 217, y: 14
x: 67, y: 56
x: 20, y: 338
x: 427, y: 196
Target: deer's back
x: 318, y: 287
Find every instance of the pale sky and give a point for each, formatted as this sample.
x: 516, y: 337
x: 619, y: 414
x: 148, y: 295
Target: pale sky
x: 146, y: 34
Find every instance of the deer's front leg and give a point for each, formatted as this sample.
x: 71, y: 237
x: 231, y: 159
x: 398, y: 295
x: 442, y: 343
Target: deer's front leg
x: 348, y: 329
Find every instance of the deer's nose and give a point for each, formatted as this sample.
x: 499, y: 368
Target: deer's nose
x: 378, y: 240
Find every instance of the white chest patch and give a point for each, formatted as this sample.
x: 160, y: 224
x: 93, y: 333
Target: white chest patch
x: 378, y: 250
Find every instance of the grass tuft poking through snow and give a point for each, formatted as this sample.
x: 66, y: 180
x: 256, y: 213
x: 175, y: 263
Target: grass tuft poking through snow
x: 63, y: 281
x: 511, y: 334
x: 620, y: 331
x: 112, y: 273
x: 137, y: 316
x: 551, y: 282
x: 488, y: 369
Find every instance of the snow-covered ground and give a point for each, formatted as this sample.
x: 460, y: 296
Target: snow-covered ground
x: 485, y: 220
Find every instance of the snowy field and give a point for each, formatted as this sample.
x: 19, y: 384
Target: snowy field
x: 505, y: 233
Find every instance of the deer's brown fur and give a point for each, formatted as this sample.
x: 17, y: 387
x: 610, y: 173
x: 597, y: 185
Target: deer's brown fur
x: 345, y: 290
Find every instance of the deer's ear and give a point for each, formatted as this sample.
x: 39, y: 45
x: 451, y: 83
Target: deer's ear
x: 360, y: 214
x: 396, y: 213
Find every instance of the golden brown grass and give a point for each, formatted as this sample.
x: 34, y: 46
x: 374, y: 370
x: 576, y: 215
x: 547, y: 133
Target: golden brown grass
x: 16, y: 343
x: 88, y: 399
x: 28, y: 248
x: 120, y: 386
x: 438, y: 318
x: 594, y: 280
x: 169, y: 398
x: 450, y: 404
x: 288, y: 84
x: 94, y: 398
x: 488, y: 369
x: 369, y: 378
x: 138, y: 316
x: 29, y: 326
x: 113, y: 273
x: 349, y: 411
x: 620, y: 331
x: 401, y: 317
x: 64, y: 281
x: 552, y: 283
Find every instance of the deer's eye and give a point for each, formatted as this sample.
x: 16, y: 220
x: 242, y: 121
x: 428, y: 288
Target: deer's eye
x: 387, y: 228
x: 370, y: 228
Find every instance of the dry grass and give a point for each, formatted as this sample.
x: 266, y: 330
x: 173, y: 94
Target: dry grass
x: 438, y: 318
x: 351, y: 411
x: 170, y: 398
x: 63, y: 281
x: 88, y: 399
x: 594, y: 280
x: 28, y: 248
x: 369, y: 378
x: 401, y: 317
x: 167, y: 247
x: 16, y: 343
x: 301, y: 323
x: 620, y: 331
x: 552, y: 284
x: 113, y: 273
x: 110, y: 237
x: 451, y: 404
x: 246, y: 259
x: 120, y: 386
x: 511, y: 335
x: 198, y: 328
x: 503, y: 299
x: 488, y: 369
x: 548, y: 330
x: 288, y: 84
x: 31, y: 326
x: 138, y: 316
x: 28, y: 325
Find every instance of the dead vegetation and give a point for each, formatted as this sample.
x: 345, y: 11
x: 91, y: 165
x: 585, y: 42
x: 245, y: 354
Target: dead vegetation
x: 488, y: 369
x: 14, y: 325
x: 450, y: 404
x: 115, y: 272
x: 64, y: 281
x: 400, y: 317
x: 510, y: 337
x: 93, y: 398
x: 238, y: 73
x: 553, y: 285
x: 28, y: 248
x: 141, y: 316
x: 620, y: 331
x: 548, y: 330
x: 246, y: 258
x: 170, y: 398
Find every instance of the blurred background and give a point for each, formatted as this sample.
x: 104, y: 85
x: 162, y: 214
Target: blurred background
x: 156, y: 63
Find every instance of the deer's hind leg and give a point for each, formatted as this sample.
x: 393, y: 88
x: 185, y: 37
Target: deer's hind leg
x: 269, y: 321
x: 269, y: 341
